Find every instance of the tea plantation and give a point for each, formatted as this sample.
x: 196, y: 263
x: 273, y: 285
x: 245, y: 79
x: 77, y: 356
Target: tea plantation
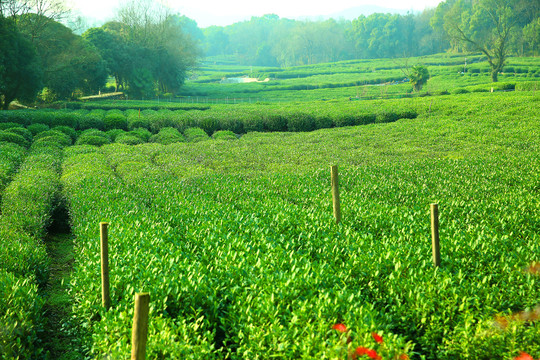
x: 224, y: 215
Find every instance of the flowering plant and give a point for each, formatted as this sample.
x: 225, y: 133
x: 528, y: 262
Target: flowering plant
x: 380, y: 350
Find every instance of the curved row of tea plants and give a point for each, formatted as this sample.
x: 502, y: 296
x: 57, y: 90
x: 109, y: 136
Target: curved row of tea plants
x: 11, y: 156
x: 241, y: 119
x: 27, y: 205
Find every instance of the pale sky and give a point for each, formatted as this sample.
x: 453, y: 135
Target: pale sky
x: 225, y: 12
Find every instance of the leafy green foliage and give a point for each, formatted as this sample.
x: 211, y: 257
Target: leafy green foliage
x: 37, y: 128
x: 224, y: 135
x: 11, y: 137
x: 27, y: 206
x: 20, y: 72
x: 419, y: 75
x: 167, y: 136
x: 20, y: 309
x: 115, y: 121
x: 237, y: 244
x: 195, y: 134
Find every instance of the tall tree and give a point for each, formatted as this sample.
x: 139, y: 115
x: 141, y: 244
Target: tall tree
x: 159, y: 50
x: 47, y: 11
x: 20, y: 73
x: 68, y: 61
x: 486, y: 26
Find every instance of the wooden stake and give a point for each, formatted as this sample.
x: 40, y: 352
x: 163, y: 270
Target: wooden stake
x: 139, y: 332
x: 105, y: 295
x: 435, y: 234
x: 335, y: 193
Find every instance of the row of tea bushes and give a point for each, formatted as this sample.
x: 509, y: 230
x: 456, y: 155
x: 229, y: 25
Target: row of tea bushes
x: 66, y: 136
x: 27, y: 205
x: 227, y: 279
x: 238, y: 119
x: 11, y: 156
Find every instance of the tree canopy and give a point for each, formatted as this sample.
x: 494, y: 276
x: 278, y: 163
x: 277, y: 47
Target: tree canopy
x: 20, y: 72
x: 487, y: 26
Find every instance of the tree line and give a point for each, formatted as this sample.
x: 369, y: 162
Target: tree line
x: 455, y: 25
x: 149, y: 50
x: 145, y: 50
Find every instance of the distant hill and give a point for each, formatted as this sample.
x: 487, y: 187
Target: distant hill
x: 355, y: 12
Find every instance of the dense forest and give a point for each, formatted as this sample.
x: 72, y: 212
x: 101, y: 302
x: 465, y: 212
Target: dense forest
x: 150, y: 50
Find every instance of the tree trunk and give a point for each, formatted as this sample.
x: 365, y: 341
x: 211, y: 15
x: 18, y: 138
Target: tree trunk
x: 494, y: 75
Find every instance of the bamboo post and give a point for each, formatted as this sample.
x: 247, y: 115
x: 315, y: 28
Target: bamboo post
x: 139, y: 332
x: 435, y: 234
x: 335, y: 193
x: 105, y: 295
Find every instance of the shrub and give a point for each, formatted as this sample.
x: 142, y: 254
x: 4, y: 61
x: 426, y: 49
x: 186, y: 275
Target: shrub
x: 94, y: 140
x: 141, y: 133
x: 20, y: 316
x: 345, y: 120
x: 67, y: 130
x: 27, y: 134
x: 115, y: 121
x: 323, y: 122
x: 167, y: 136
x: 37, y: 128
x: 136, y: 121
x: 195, y: 135
x: 13, y: 138
x: 65, y: 118
x: 90, y: 121
x: 274, y: 122
x: 525, y: 86
x: 461, y: 91
x: 17, y: 116
x: 64, y: 139
x: 42, y: 117
x: 209, y: 124
x: 114, y: 133
x: 233, y: 124
x: 300, y: 122
x: 9, y: 125
x: 128, y: 139
x: 224, y: 135
x: 53, y: 140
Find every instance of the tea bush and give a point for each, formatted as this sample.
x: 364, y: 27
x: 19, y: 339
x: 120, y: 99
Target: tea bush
x: 37, y: 128
x: 167, y: 136
x: 61, y: 137
x: 195, y: 135
x: 112, y: 134
x: 11, y: 156
x: 224, y: 135
x: 128, y: 139
x: 10, y: 125
x: 94, y: 140
x: 68, y: 131
x: 115, y: 121
x: 14, y: 138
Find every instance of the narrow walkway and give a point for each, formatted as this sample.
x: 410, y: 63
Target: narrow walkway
x: 60, y: 339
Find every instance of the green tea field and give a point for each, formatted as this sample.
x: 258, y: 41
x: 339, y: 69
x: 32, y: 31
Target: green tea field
x: 223, y: 213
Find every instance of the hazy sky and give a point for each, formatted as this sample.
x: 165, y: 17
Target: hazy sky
x: 225, y: 12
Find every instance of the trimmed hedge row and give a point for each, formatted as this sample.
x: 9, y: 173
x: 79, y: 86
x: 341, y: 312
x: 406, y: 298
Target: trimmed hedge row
x: 239, y: 120
x: 11, y: 156
x: 27, y: 205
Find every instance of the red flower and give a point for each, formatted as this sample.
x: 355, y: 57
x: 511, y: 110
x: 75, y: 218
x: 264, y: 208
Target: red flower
x: 377, y: 337
x: 361, y: 350
x: 372, y: 354
x: 403, y: 357
x: 523, y: 356
x: 340, y: 327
